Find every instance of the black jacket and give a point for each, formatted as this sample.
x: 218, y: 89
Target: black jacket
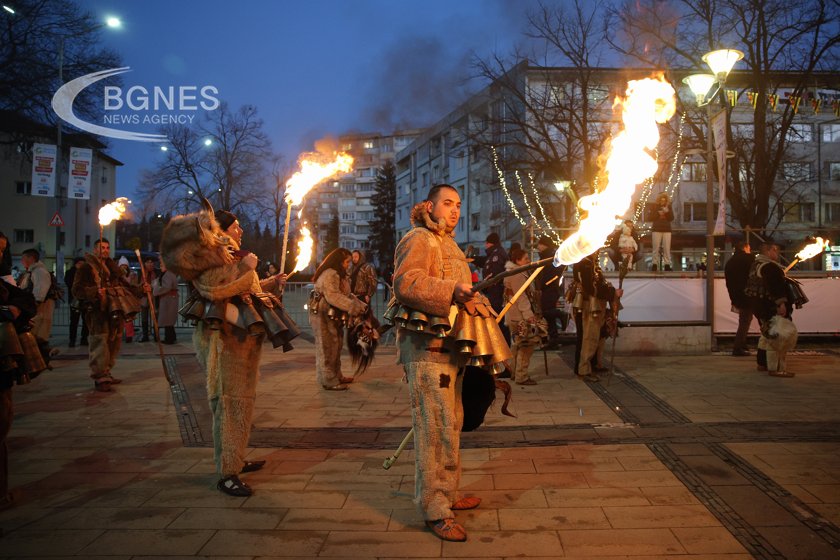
x: 736, y: 271
x: 549, y: 293
x: 495, y: 264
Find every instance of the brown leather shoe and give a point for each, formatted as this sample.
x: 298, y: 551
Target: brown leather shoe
x: 469, y: 502
x: 448, y: 530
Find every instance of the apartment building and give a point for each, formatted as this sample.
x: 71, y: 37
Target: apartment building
x: 26, y: 219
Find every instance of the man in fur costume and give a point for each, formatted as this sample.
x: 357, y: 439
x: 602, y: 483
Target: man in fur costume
x: 431, y: 272
x: 233, y: 316
x: 596, y: 294
x: 107, y: 300
x: 363, y: 278
x: 769, y: 296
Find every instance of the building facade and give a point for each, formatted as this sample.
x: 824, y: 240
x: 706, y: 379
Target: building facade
x: 26, y: 218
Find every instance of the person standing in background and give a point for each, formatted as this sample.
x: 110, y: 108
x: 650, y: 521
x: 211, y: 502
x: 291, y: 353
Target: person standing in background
x: 736, y: 272
x: 165, y: 288
x: 662, y: 216
x: 37, y: 280
x: 75, y: 311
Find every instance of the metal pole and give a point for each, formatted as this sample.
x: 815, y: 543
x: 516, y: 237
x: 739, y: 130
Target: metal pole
x: 710, y: 231
x: 58, y: 155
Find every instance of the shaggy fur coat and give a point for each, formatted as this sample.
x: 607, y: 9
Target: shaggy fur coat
x: 428, y: 264
x: 328, y: 332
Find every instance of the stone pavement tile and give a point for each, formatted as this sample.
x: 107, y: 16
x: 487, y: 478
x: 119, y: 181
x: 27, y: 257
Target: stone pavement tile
x: 264, y: 543
x: 110, y: 518
x: 631, y: 479
x: 157, y: 542
x: 196, y: 496
x: 797, y: 543
x: 542, y: 480
x: 744, y: 556
x: 20, y: 516
x: 518, y: 453
x: 470, y: 483
x: 609, y: 542
x: 669, y: 495
x: 755, y: 507
x: 294, y: 498
x: 552, y: 519
x: 824, y: 492
x: 683, y: 449
x: 633, y: 463
x: 587, y: 497
x: 347, y: 519
x: 830, y: 512
x: 355, y: 482
x: 508, y: 466
x: 639, y: 517
x: 539, y: 435
x: 382, y: 500
x: 475, y: 454
x: 473, y: 520
x: 529, y: 498
x: 35, y: 542
x: 398, y: 544
x: 804, y: 475
x: 344, y: 468
x: 583, y: 451
x: 713, y: 470
x: 578, y: 464
x: 228, y: 518
x: 504, y: 543
x: 708, y: 540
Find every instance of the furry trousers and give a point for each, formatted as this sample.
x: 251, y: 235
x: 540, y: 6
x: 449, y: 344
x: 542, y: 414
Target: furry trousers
x: 522, y: 350
x: 329, y: 338
x: 232, y: 366
x: 104, y: 345
x: 437, y: 416
x: 594, y: 315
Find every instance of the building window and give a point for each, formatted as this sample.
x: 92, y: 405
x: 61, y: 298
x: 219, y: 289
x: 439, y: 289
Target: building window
x: 496, y: 203
x: 368, y: 145
x: 797, y: 212
x: 475, y: 222
x: 461, y: 223
x: 834, y: 170
x: 23, y: 187
x: 348, y: 215
x: 831, y: 133
x: 425, y: 183
x: 694, y: 212
x: 799, y: 133
x: 832, y: 212
x: 348, y: 188
x: 24, y: 236
x: 347, y: 229
x: 796, y: 170
x: 693, y: 171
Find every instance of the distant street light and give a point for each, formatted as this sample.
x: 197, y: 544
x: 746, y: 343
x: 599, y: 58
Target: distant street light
x: 113, y: 22
x: 164, y: 149
x: 208, y: 142
x: 721, y: 63
x: 8, y: 9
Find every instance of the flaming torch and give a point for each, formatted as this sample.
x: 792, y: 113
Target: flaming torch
x: 305, y: 245
x: 811, y: 250
x: 647, y: 102
x: 113, y: 211
x: 313, y: 170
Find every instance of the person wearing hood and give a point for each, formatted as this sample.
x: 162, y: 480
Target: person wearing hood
x: 363, y: 278
x: 431, y: 280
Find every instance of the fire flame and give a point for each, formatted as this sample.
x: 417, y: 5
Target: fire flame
x: 813, y: 249
x: 305, y: 245
x: 647, y: 102
x: 313, y: 170
x: 113, y: 211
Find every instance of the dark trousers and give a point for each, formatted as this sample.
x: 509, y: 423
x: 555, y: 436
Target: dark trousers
x: 75, y: 317
x: 551, y: 314
x: 145, y: 319
x: 169, y: 335
x: 745, y: 316
x: 579, y: 341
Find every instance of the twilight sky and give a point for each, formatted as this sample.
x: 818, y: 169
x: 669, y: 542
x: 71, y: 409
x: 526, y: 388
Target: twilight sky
x: 312, y: 67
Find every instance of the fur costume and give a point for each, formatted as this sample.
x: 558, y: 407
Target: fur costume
x: 233, y: 317
x: 330, y: 307
x: 781, y: 339
x: 433, y: 346
x: 523, y: 325
x: 105, y: 318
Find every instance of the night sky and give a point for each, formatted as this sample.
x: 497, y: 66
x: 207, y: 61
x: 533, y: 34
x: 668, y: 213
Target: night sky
x: 313, y: 68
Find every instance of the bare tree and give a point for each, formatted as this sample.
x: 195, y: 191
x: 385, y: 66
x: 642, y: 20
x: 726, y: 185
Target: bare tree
x: 786, y: 46
x: 30, y: 41
x: 221, y: 159
x: 551, y: 120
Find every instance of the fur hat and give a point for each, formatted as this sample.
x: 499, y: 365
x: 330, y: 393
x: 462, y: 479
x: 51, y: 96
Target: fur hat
x: 194, y: 243
x: 493, y: 238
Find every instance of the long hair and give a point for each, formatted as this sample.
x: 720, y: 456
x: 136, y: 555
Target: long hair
x: 334, y: 261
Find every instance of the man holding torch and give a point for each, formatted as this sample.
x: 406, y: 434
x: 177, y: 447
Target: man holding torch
x: 430, y: 274
x: 106, y: 300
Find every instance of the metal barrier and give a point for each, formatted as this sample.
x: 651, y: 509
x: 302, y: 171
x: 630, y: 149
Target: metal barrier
x: 295, y: 298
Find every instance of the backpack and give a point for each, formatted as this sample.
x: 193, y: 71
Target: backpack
x: 55, y: 291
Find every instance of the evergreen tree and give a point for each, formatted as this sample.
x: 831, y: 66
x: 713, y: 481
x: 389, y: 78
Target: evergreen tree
x: 331, y: 239
x: 383, y: 238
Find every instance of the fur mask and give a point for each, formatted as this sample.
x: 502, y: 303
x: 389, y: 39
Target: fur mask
x: 420, y: 217
x: 194, y: 243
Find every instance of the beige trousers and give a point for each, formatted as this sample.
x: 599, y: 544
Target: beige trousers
x: 522, y: 349
x: 42, y: 323
x: 594, y: 313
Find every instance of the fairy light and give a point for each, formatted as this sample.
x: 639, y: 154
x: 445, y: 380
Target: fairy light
x: 534, y: 218
x: 553, y: 231
x: 503, y: 184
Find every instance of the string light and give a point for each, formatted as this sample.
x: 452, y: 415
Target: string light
x: 503, y: 184
x: 534, y: 218
x: 553, y: 230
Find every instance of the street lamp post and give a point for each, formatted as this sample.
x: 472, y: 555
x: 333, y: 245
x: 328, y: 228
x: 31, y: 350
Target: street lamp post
x: 113, y: 23
x: 707, y: 88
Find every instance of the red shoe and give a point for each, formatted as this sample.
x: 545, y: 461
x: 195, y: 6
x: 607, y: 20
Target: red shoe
x: 470, y: 502
x: 448, y: 530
